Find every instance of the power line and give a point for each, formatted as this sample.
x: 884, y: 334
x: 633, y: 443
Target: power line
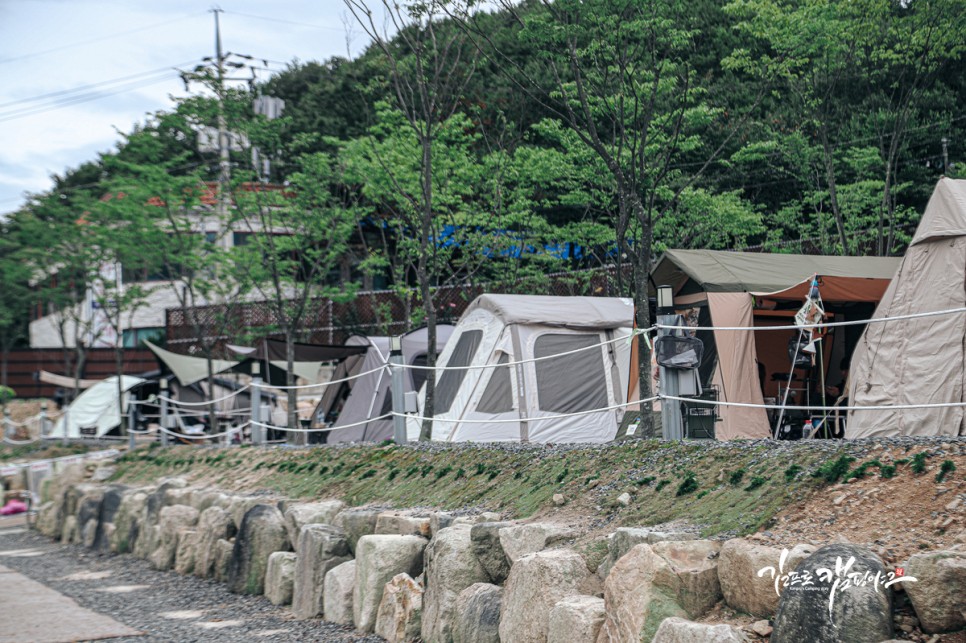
x: 95, y: 40
x: 287, y: 22
x: 82, y: 98
x: 83, y: 88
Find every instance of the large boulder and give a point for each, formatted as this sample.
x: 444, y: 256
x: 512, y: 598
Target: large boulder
x: 690, y: 573
x: 744, y: 570
x: 279, y: 577
x: 88, y: 510
x: 399, y: 616
x: 156, y: 499
x: 320, y: 548
x: 843, y: 602
x: 127, y: 521
x: 378, y: 559
x: 679, y: 630
x: 938, y: 593
x: 238, y: 506
x: 186, y: 555
x: 110, y: 504
x: 451, y: 566
x: 478, y: 614
x: 485, y: 537
x: 306, y: 513
x: 338, y: 588
x: 262, y: 532
x: 576, y: 619
x: 68, y: 530
x: 221, y: 568
x: 172, y: 521
x: 47, y: 519
x: 639, y: 593
x: 214, y: 524
x: 536, y: 583
x: 626, y: 538
x: 403, y: 524
x: 519, y: 540
x: 356, y: 523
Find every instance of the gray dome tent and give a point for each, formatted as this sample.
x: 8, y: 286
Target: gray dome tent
x: 366, y: 397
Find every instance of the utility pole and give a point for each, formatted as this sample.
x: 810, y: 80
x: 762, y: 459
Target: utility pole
x: 224, y: 163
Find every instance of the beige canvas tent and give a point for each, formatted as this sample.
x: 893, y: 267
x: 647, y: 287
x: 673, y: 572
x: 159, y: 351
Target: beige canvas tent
x: 921, y: 360
x: 717, y: 288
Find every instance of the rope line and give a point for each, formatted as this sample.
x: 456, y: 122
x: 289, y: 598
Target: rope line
x: 530, y: 419
x: 854, y: 322
x: 751, y: 405
x: 207, y: 403
x: 319, y: 430
x: 307, y: 386
x: 525, y: 361
x: 203, y: 436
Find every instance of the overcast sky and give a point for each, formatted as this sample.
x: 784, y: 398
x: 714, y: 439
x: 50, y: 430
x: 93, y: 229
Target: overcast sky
x: 76, y: 71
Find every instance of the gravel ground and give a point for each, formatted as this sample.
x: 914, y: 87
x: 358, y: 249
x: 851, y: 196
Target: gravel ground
x: 164, y: 605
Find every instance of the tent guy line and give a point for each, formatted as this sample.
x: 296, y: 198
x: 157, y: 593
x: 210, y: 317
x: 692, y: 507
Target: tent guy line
x: 853, y: 322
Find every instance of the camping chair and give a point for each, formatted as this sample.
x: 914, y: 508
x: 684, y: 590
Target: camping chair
x: 190, y: 433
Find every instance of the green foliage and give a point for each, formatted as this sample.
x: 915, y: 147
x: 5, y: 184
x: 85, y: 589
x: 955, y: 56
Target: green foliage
x: 947, y: 467
x: 736, y: 477
x: 661, y: 484
x: 832, y: 470
x: 6, y: 394
x: 645, y: 481
x: 887, y: 471
x: 918, y: 465
x: 792, y: 472
x: 688, y: 485
x: 756, y: 481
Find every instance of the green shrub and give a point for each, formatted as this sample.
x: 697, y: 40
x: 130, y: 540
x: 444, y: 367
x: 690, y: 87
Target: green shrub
x: 832, y: 470
x: 756, y: 482
x: 425, y: 471
x: 791, y: 472
x: 460, y: 473
x: 643, y: 482
x: 392, y: 474
x: 702, y: 494
x: 660, y: 485
x: 443, y: 472
x: 688, y: 485
x: 563, y: 475
x: 887, y: 471
x: 367, y: 474
x: 947, y: 467
x: 736, y: 477
x: 6, y: 394
x: 919, y: 463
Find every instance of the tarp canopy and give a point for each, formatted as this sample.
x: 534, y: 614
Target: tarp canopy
x: 188, y: 369
x: 918, y: 361
x: 275, y: 350
x: 96, y: 409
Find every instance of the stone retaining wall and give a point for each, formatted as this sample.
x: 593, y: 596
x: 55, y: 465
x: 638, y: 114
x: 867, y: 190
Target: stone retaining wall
x: 438, y: 577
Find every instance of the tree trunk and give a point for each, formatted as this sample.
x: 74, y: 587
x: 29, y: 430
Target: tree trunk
x: 429, y: 406
x: 832, y: 193
x: 293, y: 422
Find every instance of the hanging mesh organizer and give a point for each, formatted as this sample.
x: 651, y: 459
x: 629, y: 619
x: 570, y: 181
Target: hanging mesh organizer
x: 674, y: 351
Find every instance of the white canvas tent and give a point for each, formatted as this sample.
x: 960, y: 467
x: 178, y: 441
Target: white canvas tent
x: 362, y: 398
x: 506, y: 403
x: 923, y: 360
x: 95, y: 411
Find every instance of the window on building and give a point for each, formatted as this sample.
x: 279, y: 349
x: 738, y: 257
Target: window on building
x: 135, y: 337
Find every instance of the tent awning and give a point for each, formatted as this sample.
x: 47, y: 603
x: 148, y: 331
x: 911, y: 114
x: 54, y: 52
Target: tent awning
x: 722, y: 271
x: 275, y: 350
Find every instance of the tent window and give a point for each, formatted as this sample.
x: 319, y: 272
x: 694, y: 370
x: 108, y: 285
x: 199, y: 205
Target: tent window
x: 419, y: 374
x: 498, y: 396
x: 570, y: 383
x: 450, y: 380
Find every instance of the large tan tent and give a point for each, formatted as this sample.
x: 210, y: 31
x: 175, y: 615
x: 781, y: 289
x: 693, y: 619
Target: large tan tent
x: 918, y: 361
x: 743, y: 289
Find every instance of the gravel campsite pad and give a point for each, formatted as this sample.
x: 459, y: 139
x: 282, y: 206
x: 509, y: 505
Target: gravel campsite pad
x: 163, y: 605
